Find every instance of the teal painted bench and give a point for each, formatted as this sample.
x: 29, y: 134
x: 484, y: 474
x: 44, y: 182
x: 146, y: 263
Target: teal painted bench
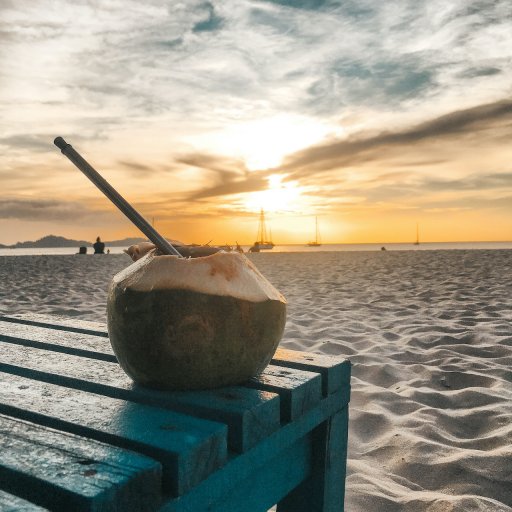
x: 77, y: 435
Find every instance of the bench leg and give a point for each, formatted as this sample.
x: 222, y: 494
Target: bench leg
x: 324, y: 490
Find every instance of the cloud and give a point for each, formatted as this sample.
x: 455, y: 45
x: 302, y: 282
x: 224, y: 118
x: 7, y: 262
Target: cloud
x: 303, y: 4
x: 476, y: 182
x: 211, y: 23
x: 142, y: 171
x: 41, y: 210
x: 366, y: 148
x: 37, y: 143
x: 227, y: 176
x: 162, y: 77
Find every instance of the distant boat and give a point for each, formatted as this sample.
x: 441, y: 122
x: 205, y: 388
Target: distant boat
x: 417, y: 236
x: 262, y: 241
x: 316, y: 242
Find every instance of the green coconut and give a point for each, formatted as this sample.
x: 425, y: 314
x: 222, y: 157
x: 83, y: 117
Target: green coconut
x: 194, y: 323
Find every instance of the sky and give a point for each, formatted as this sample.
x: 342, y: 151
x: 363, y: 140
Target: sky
x: 373, y: 117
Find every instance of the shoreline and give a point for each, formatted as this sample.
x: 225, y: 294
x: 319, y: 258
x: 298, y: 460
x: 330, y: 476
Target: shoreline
x: 295, y: 248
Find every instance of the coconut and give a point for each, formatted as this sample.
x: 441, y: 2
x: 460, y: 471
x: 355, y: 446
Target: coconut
x: 193, y: 323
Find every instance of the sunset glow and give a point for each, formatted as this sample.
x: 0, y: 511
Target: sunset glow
x: 201, y: 113
x: 263, y: 143
x: 278, y: 197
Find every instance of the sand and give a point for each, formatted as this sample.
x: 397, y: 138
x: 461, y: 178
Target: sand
x: 429, y: 334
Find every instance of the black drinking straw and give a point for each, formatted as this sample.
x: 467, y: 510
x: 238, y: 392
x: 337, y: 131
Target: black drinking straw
x: 116, y: 198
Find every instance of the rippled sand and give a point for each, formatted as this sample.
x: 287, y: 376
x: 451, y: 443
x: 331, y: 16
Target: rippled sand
x: 429, y: 334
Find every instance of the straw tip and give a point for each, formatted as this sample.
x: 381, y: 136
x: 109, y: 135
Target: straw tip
x: 60, y: 143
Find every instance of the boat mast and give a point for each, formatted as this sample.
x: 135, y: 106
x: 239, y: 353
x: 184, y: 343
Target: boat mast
x: 262, y: 231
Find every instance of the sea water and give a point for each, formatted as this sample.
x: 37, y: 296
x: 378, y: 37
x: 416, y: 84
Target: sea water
x: 292, y: 248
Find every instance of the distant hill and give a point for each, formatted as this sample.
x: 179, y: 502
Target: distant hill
x: 51, y: 241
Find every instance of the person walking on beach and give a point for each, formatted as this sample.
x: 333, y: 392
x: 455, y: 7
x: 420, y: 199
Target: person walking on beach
x: 99, y: 246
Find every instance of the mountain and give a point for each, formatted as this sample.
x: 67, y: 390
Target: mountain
x: 50, y: 241
x: 60, y: 241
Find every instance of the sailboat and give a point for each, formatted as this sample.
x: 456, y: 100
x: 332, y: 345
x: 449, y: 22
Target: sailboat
x: 316, y: 242
x: 417, y: 236
x: 262, y: 242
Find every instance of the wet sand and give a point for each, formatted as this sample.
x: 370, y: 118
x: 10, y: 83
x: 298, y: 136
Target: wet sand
x: 429, y: 334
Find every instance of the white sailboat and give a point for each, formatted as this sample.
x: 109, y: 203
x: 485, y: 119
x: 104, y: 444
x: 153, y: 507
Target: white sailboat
x: 316, y: 242
x: 262, y: 241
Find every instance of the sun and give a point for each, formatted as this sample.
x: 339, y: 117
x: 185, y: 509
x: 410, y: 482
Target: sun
x: 278, y: 197
x: 264, y: 143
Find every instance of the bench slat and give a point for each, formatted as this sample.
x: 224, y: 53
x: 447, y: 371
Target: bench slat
x: 48, y: 467
x: 250, y: 414
x: 11, y: 503
x: 188, y: 448
x: 81, y: 344
x: 299, y: 390
x: 335, y: 371
x: 61, y: 323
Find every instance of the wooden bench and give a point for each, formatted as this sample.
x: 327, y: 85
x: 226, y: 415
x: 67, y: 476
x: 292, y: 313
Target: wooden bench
x: 77, y: 435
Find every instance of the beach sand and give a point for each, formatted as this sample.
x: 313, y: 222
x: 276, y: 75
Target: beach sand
x: 429, y: 334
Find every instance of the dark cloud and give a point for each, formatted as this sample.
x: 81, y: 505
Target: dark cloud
x: 171, y: 43
x: 311, y: 5
x: 228, y: 176
x: 213, y: 163
x: 367, y: 81
x: 363, y: 82
x: 36, y: 143
x: 229, y: 187
x: 134, y: 166
x: 473, y: 182
x: 142, y: 171
x: 374, y: 147
x: 478, y: 72
x: 212, y: 21
x: 315, y: 164
x: 45, y: 210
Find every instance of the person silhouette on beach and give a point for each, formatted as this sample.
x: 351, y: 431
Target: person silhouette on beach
x: 99, y: 246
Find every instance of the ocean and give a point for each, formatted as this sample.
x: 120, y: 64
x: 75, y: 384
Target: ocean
x: 427, y: 246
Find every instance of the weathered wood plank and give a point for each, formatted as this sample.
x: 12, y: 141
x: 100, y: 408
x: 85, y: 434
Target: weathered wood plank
x: 188, y: 448
x: 299, y: 390
x: 241, y: 469
x: 335, y: 371
x: 250, y: 414
x: 60, y: 323
x: 85, y: 345
x: 66, y: 472
x: 11, y: 503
